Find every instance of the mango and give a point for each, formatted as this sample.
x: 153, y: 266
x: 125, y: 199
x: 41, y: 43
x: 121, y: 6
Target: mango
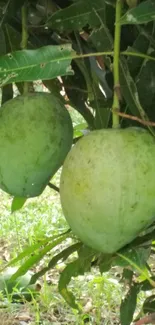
x: 107, y: 187
x: 35, y: 136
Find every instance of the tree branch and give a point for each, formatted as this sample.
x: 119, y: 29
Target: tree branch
x: 134, y: 118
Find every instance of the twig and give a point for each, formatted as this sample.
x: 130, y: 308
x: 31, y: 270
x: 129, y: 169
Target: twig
x: 54, y: 187
x: 4, y: 13
x: 24, y: 38
x: 134, y: 118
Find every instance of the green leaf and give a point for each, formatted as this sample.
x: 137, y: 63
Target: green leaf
x: 101, y: 39
x: 61, y: 256
x: 102, y: 112
x: 2, y: 42
x: 13, y: 38
x: 36, y: 257
x: 136, y: 260
x: 7, y: 93
x: 147, y: 94
x: 128, y: 306
x: 54, y: 86
x: 133, y: 257
x: 77, y: 92
x: 32, y: 249
x: 146, y: 285
x: 78, y: 15
x: 141, y: 44
x: 127, y: 276
x: 142, y: 14
x: 149, y: 305
x: 17, y: 203
x: 80, y: 129
x: 130, y: 93
x: 47, y: 62
x: 73, y: 269
x: 105, y: 263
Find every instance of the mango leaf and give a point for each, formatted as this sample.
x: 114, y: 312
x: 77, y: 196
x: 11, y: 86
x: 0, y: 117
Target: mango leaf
x: 146, y: 285
x: 54, y: 86
x: 133, y: 257
x: 145, y: 77
x: 7, y: 93
x: 2, y: 42
x: 13, y: 38
x: 127, y: 276
x: 36, y: 257
x: 105, y: 263
x: 137, y: 263
x: 78, y: 15
x: 80, y: 129
x: 130, y: 93
x: 101, y: 39
x: 149, y: 305
x: 77, y: 92
x: 141, y: 44
x: 32, y: 249
x: 142, y: 14
x: 128, y: 306
x: 47, y: 62
x: 61, y: 256
x: 73, y: 269
x: 17, y: 203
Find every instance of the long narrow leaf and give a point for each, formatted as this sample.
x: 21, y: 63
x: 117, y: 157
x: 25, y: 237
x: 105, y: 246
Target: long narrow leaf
x: 47, y: 62
x: 78, y: 15
x: 130, y: 93
x: 75, y: 268
x: 62, y: 255
x: 32, y: 249
x: 141, y: 14
x: 36, y: 258
x: 128, y: 306
x: 17, y: 203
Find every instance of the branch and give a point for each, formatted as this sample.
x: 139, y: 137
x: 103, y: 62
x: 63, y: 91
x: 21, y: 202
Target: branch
x: 134, y: 118
x: 24, y: 39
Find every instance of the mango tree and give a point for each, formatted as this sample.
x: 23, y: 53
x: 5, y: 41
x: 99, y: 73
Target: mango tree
x: 98, y: 57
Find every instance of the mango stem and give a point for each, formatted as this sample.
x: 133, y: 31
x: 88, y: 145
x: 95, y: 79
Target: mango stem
x: 24, y: 39
x: 117, y: 39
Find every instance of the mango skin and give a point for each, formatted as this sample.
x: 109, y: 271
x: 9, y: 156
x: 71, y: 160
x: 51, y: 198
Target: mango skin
x: 35, y: 136
x: 107, y: 187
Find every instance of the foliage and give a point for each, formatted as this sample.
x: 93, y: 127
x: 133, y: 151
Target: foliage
x: 74, y: 40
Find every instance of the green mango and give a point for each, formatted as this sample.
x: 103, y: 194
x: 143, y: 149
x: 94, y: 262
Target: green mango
x: 107, y: 187
x: 19, y: 288
x: 35, y: 136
